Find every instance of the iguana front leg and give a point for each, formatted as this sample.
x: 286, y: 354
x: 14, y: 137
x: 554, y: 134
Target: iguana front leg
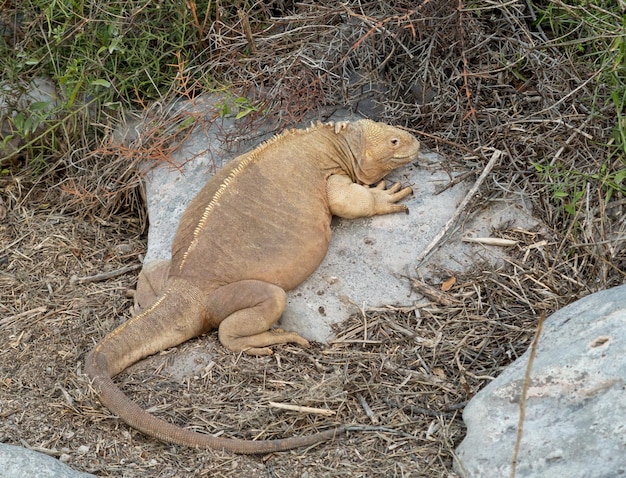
x: 351, y: 200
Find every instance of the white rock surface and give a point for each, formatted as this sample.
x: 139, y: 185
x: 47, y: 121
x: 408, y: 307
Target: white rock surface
x: 18, y: 462
x: 368, y: 260
x: 575, y: 412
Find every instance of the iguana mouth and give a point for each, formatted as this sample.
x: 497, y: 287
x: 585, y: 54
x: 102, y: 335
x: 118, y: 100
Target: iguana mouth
x: 410, y: 157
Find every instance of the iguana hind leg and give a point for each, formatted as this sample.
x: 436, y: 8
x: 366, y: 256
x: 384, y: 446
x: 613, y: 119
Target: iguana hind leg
x: 247, y: 310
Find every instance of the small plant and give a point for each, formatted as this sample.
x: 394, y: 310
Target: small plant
x: 240, y: 106
x: 594, y: 34
x: 568, y: 187
x: 110, y: 55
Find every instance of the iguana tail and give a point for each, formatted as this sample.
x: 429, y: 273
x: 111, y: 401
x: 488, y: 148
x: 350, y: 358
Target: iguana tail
x: 162, y: 326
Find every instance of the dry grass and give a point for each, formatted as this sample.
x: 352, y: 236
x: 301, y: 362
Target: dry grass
x: 399, y: 376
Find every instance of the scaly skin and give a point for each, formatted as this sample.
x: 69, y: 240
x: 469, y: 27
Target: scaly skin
x: 257, y: 229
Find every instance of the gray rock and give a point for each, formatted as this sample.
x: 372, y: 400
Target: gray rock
x: 575, y: 411
x: 18, y: 462
x: 368, y: 259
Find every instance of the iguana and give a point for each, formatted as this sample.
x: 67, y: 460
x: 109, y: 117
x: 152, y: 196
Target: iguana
x: 258, y: 228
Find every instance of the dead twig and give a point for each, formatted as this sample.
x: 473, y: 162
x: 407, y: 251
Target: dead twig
x: 522, y: 402
x: 301, y: 409
x: 106, y: 275
x: 35, y: 311
x: 366, y: 408
x: 432, y: 293
x: 457, y: 180
x: 436, y: 242
x: 491, y: 241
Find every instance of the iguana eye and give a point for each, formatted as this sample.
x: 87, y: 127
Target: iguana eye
x: 395, y: 142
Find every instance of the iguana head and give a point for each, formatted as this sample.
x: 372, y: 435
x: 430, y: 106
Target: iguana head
x: 378, y: 148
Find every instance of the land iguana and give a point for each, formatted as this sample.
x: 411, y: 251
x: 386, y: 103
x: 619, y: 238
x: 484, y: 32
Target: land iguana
x: 258, y: 228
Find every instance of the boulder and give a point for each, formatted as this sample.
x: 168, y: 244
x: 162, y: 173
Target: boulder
x: 575, y: 407
x: 18, y: 462
x: 369, y: 259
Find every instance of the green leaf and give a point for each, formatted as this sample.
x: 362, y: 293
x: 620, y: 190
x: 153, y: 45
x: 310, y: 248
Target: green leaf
x: 188, y: 121
x: 224, y: 109
x: 243, y: 113
x: 18, y: 121
x: 28, y: 125
x: 101, y: 82
x: 37, y: 106
x: 6, y: 139
x: 578, y: 196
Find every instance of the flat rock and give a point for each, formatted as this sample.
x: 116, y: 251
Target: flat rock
x: 575, y: 410
x: 369, y: 259
x: 18, y: 462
